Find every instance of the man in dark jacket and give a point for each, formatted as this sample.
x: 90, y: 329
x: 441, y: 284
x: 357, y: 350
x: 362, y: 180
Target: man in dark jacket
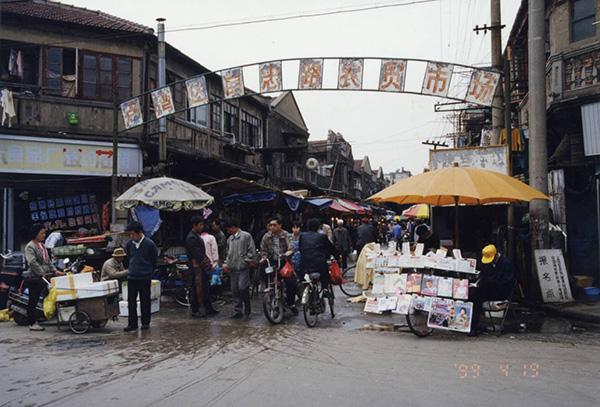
x: 431, y: 242
x: 315, y: 250
x: 342, y: 242
x: 201, y: 269
x: 366, y: 233
x: 143, y: 256
x: 496, y: 282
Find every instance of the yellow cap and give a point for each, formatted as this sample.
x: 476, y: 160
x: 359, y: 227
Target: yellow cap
x: 488, y: 254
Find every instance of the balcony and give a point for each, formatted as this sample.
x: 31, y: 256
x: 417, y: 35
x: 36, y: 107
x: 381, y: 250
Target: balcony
x: 294, y: 173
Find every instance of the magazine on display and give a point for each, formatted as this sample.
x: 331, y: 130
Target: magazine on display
x: 420, y: 303
x: 445, y: 285
x: 413, y: 283
x: 378, y: 284
x: 387, y: 303
x: 460, y: 289
x: 403, y: 304
x: 440, y: 314
x: 429, y: 285
x: 391, y: 281
x: 372, y: 305
x: 406, y: 249
x: 400, y: 284
x: 461, y: 317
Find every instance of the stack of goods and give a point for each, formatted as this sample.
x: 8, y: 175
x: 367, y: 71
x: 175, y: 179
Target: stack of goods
x: 154, y: 299
x: 80, y: 286
x: 403, y: 293
x: 69, y: 250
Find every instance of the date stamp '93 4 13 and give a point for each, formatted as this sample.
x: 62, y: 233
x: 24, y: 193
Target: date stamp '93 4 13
x: 473, y: 370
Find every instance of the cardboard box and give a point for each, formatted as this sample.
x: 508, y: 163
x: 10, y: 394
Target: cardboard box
x: 66, y: 286
x: 124, y: 310
x: 98, y: 289
x: 154, y: 290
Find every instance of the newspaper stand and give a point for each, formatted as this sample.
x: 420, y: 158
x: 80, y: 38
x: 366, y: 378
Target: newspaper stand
x: 81, y: 314
x: 413, y: 290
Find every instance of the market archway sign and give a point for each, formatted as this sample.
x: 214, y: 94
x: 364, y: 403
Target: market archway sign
x: 440, y: 79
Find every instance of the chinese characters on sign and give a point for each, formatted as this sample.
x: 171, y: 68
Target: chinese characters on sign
x: 552, y: 273
x: 350, y: 74
x: 132, y: 113
x: 270, y: 76
x: 163, y: 102
x: 437, y: 79
x: 392, y: 75
x: 197, y: 92
x: 233, y: 83
x: 482, y: 87
x: 310, y: 75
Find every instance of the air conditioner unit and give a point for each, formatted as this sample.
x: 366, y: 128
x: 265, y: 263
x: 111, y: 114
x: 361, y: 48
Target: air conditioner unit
x: 312, y: 163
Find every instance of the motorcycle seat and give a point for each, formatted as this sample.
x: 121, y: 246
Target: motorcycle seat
x: 315, y: 276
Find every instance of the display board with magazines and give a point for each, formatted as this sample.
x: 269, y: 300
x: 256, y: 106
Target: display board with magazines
x: 406, y: 282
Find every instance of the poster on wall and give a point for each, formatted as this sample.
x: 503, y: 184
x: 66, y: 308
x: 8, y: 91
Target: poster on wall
x: 270, y: 77
x: 350, y: 73
x: 552, y: 275
x: 197, y: 91
x: 163, y: 102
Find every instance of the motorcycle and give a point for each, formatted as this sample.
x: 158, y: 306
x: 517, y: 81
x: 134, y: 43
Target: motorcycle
x: 274, y: 296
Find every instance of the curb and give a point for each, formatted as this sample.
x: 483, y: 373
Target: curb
x: 566, y: 313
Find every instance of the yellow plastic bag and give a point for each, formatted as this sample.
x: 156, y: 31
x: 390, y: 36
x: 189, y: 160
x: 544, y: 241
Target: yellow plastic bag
x: 50, y: 303
x: 5, y: 315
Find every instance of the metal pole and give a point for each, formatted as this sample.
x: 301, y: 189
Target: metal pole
x: 598, y: 220
x: 538, y: 150
x: 510, y: 216
x: 456, y: 224
x: 496, y: 28
x: 115, y: 159
x: 162, y: 82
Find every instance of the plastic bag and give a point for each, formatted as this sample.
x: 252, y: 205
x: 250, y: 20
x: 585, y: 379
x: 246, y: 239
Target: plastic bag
x: 50, y: 303
x: 216, y: 276
x: 5, y: 315
x: 335, y: 273
x: 287, y: 271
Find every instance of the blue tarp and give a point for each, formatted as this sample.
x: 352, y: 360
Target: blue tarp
x: 250, y: 198
x: 148, y: 217
x: 319, y: 201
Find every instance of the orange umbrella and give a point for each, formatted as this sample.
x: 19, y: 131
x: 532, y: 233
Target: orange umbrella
x: 458, y: 186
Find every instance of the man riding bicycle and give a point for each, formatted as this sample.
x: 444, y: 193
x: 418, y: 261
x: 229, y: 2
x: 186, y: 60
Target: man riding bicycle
x: 275, y: 244
x: 315, y: 251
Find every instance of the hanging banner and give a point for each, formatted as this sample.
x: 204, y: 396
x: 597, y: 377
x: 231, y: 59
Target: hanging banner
x: 437, y: 79
x: 310, y: 75
x: 392, y: 75
x: 197, y: 91
x: 233, y: 83
x: 163, y: 102
x: 482, y: 87
x: 132, y: 113
x: 270, y: 76
x: 350, y: 74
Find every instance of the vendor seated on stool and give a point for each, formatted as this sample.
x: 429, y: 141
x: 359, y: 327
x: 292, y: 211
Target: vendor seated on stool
x: 113, y: 268
x: 496, y: 281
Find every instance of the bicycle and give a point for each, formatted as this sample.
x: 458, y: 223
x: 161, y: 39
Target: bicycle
x: 313, y: 299
x: 349, y: 287
x: 174, y: 283
x: 274, y: 295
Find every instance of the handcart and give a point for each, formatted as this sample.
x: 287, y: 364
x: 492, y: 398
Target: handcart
x: 81, y: 314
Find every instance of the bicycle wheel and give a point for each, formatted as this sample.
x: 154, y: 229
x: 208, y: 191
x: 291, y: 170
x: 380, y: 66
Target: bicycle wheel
x: 182, y: 296
x: 311, y: 314
x: 417, y: 323
x: 273, y: 307
x: 349, y: 287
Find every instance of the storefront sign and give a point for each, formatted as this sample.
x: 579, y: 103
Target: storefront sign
x: 552, y: 273
x: 493, y: 158
x: 35, y: 155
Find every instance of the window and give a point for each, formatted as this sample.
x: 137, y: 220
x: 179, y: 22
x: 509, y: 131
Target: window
x: 19, y: 63
x: 230, y: 119
x: 54, y: 70
x: 583, y: 16
x: 105, y: 75
x: 251, y: 130
x: 216, y: 114
x: 199, y: 115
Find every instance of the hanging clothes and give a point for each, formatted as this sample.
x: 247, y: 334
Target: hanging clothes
x: 20, y: 64
x: 486, y: 137
x: 8, y: 106
x: 12, y: 63
x: 515, y: 138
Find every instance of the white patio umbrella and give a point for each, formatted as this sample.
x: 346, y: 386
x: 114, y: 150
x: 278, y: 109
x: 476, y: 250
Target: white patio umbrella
x: 168, y: 194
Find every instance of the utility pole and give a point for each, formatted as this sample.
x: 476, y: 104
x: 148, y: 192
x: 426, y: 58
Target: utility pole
x: 538, y: 149
x: 114, y: 186
x: 434, y: 143
x: 496, y: 29
x: 162, y: 82
x: 510, y: 216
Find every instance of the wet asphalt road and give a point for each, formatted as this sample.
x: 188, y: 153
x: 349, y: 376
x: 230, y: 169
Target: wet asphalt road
x: 221, y: 362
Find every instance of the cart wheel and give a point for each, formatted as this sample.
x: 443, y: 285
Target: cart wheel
x: 99, y: 324
x: 79, y: 322
x: 20, y: 319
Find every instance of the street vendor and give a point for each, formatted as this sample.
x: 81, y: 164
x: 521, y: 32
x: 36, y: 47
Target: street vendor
x: 496, y: 282
x: 113, y: 268
x: 429, y: 239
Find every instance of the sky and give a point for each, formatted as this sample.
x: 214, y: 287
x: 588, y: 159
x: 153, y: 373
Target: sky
x: 389, y: 128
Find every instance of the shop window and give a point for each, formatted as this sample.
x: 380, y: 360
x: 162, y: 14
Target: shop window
x: 19, y: 63
x: 583, y: 16
x: 105, y: 75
